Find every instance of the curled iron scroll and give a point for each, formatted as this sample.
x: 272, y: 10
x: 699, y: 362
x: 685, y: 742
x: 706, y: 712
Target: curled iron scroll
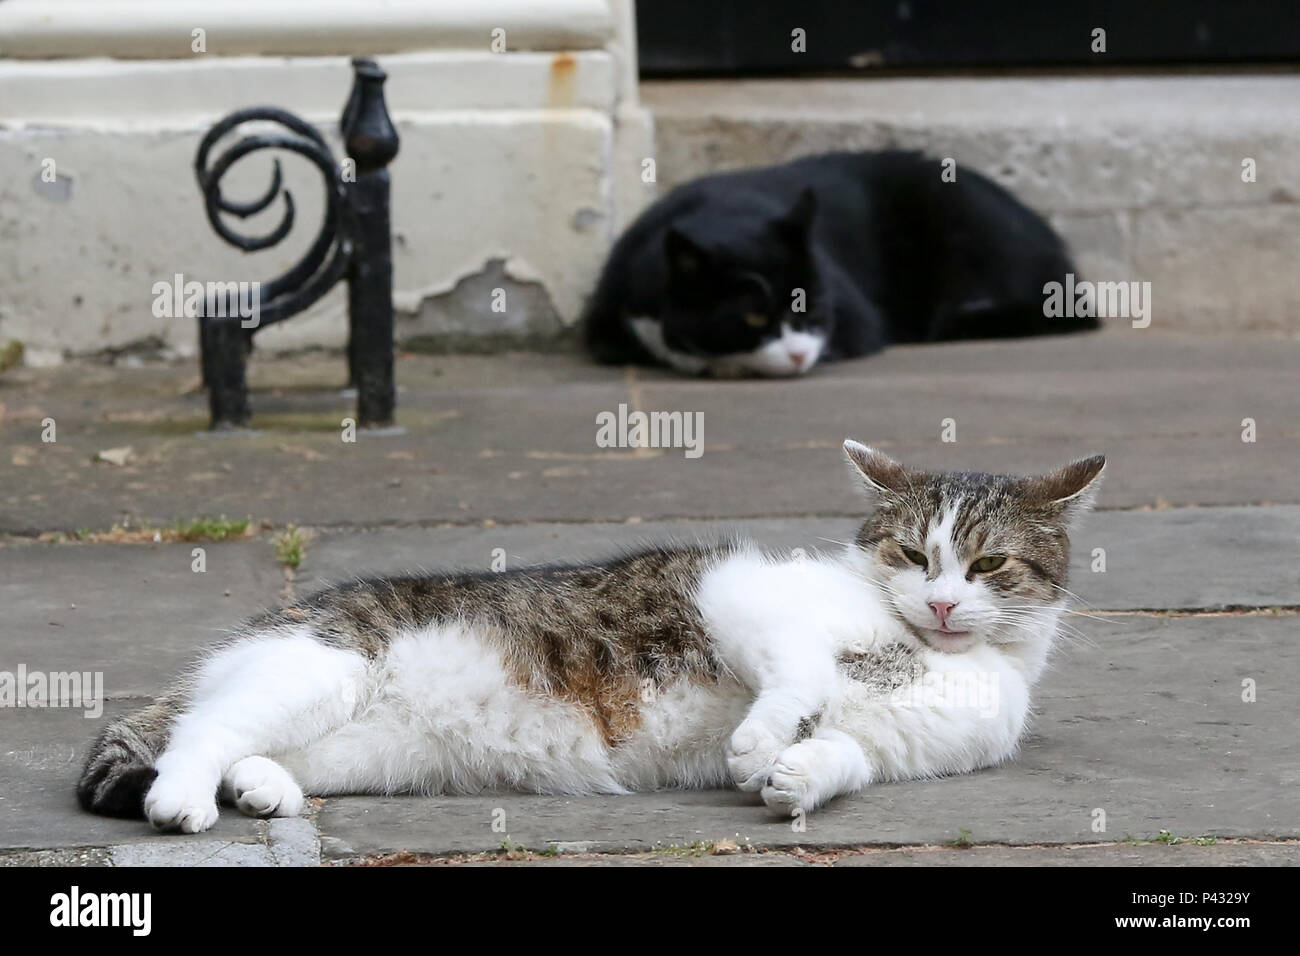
x: 311, y: 276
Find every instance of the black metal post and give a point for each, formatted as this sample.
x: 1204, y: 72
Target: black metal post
x: 225, y: 353
x: 354, y: 242
x: 371, y: 143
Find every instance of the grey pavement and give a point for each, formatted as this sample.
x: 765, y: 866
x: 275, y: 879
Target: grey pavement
x: 1170, y: 707
x: 1252, y: 552
x: 512, y: 439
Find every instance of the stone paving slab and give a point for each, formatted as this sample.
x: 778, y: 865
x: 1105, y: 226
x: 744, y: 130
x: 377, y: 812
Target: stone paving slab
x: 80, y: 856
x: 513, y: 438
x: 217, y: 853
x: 655, y: 860
x: 41, y: 752
x: 429, y: 479
x: 1190, y: 558
x: 1200, y: 558
x: 286, y: 842
x: 136, y: 613
x: 201, y: 852
x: 1143, y: 720
x: 1182, y: 854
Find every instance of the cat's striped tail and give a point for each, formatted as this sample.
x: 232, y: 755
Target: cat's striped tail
x: 119, y: 769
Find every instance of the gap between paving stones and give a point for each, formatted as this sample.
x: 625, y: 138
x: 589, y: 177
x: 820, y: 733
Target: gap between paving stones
x: 267, y: 530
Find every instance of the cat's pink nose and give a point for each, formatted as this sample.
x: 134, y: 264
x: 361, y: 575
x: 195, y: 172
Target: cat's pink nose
x: 941, y: 610
x: 798, y: 358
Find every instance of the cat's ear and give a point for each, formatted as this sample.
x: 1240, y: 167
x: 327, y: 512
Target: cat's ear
x: 797, y: 220
x: 685, y: 258
x: 1072, y: 488
x: 880, y: 472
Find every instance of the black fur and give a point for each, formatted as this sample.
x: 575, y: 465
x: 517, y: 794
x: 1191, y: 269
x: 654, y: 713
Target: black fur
x: 121, y: 796
x: 885, y: 249
x: 119, y: 768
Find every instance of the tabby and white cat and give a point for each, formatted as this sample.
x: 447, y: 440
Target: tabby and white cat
x: 799, y: 677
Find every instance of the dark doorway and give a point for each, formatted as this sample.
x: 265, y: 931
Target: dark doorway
x: 738, y: 37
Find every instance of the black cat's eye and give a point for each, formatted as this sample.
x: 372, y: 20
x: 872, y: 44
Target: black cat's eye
x: 990, y: 562
x: 916, y: 557
x: 755, y: 320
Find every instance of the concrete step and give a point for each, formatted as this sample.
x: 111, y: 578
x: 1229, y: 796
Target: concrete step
x: 1143, y: 175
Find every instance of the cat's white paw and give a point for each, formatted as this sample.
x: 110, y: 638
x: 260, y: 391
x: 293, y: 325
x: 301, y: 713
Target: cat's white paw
x: 176, y: 802
x: 260, y: 787
x: 751, y: 753
x: 791, y: 786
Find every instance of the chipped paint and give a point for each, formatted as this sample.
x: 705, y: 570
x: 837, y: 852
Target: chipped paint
x: 502, y: 304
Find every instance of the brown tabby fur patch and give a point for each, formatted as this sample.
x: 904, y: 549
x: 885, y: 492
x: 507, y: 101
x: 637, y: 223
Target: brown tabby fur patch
x: 603, y: 636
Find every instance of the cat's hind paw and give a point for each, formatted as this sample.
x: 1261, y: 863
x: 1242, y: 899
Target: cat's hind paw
x: 260, y: 787
x: 176, y: 804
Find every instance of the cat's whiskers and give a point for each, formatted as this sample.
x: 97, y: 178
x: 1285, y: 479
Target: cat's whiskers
x: 890, y: 593
x: 1068, y: 632
x: 1026, y: 619
x: 1071, y: 595
x: 1092, y: 617
x: 884, y: 586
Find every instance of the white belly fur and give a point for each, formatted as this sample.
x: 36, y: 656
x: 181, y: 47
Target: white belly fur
x: 440, y: 714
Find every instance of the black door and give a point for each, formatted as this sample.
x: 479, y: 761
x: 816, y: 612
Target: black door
x: 734, y: 37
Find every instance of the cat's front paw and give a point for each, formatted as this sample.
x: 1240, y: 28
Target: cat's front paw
x: 791, y: 786
x: 811, y: 772
x: 751, y: 753
x: 260, y: 787
x: 175, y: 803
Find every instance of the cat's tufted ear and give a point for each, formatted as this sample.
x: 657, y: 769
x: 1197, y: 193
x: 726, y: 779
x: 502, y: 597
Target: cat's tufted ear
x: 685, y: 258
x: 797, y: 220
x: 880, y: 472
x: 1072, y: 488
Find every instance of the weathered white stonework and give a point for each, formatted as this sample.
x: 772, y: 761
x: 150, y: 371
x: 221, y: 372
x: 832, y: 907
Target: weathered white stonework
x: 516, y: 168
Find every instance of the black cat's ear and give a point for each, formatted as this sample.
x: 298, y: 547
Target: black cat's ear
x: 798, y: 219
x: 685, y: 258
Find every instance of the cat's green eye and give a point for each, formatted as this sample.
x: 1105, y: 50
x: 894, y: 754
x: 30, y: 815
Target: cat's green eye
x: 916, y: 557
x: 990, y: 562
x: 755, y: 320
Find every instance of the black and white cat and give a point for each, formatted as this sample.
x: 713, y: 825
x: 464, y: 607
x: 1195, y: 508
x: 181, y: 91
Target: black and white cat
x: 768, y: 271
